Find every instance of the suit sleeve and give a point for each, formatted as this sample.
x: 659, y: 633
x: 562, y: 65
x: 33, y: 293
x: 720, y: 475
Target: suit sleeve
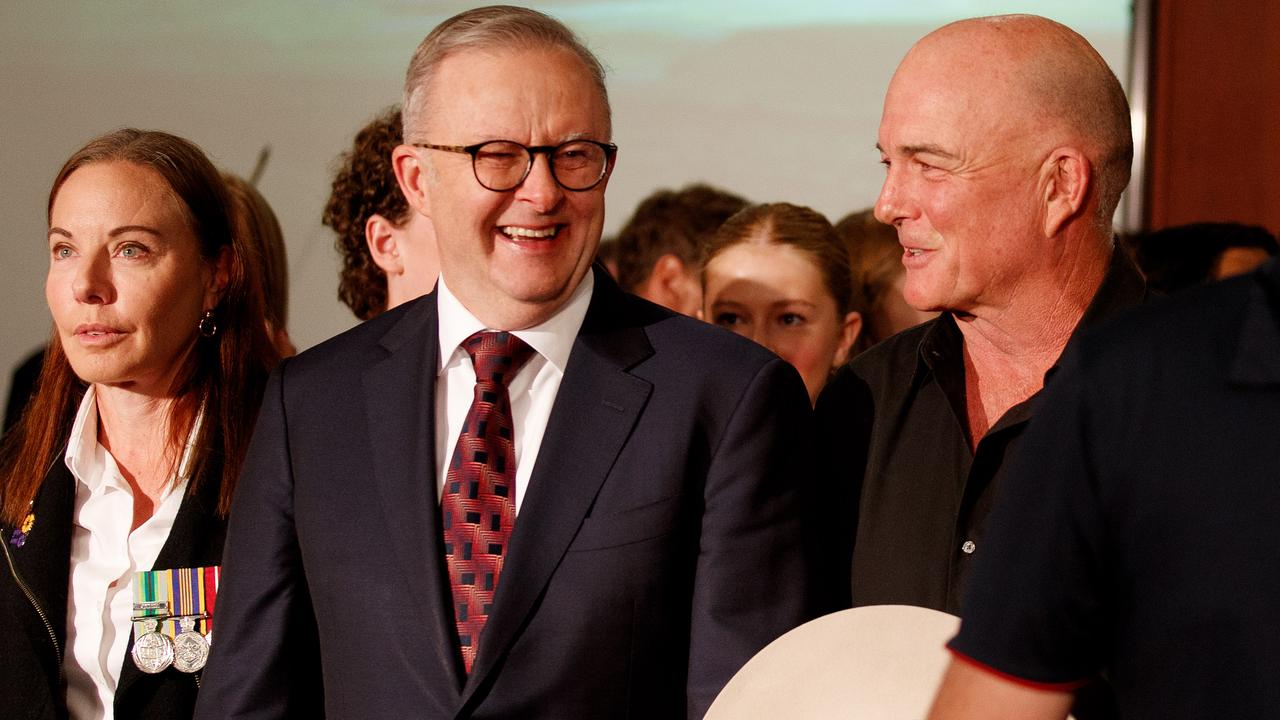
x: 264, y: 655
x: 751, y: 582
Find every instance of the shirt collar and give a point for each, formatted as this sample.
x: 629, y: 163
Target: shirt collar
x: 83, y: 444
x: 552, y: 339
x: 940, y: 346
x: 188, y: 451
x: 85, y: 456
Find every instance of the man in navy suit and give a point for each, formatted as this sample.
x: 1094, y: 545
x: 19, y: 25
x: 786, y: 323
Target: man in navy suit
x: 647, y: 541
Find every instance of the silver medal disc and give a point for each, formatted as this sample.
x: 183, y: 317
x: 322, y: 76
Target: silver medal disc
x: 152, y: 652
x: 190, y: 651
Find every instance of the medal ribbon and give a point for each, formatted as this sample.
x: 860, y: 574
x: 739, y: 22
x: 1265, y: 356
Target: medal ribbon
x: 211, y: 576
x: 188, y: 591
x: 151, y: 593
x: 167, y: 595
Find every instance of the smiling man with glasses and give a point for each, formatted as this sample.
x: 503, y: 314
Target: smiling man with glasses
x: 527, y: 494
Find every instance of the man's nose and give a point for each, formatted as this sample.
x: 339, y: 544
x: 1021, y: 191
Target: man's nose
x: 540, y: 188
x: 889, y: 204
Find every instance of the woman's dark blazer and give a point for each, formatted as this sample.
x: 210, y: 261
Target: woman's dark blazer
x: 33, y: 605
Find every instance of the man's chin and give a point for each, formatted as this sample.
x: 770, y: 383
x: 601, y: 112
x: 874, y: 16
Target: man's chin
x: 923, y: 300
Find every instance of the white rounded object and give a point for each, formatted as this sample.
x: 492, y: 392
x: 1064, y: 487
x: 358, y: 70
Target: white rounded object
x: 878, y: 661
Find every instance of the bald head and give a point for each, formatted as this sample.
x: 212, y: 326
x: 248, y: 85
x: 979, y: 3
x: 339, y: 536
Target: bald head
x: 1035, y: 80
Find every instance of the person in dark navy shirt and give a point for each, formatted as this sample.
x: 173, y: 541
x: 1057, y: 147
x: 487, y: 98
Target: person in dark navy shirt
x: 1139, y: 530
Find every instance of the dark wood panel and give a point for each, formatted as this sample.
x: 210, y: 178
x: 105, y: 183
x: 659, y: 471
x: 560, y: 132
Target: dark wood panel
x: 1214, y: 131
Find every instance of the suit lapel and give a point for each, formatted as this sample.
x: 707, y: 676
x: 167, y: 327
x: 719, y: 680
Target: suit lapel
x: 594, y: 413
x: 400, y: 404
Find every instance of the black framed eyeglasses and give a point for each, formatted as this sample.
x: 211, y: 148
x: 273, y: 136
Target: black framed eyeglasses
x: 502, y: 165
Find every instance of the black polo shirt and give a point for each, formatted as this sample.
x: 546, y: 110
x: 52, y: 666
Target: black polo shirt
x: 904, y: 495
x: 1138, y: 531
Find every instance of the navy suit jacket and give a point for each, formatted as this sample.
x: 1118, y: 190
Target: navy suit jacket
x: 657, y: 549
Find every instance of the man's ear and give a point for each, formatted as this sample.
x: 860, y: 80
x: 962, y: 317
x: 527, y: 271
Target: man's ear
x: 668, y: 285
x: 1069, y: 178
x: 381, y: 236
x: 412, y: 176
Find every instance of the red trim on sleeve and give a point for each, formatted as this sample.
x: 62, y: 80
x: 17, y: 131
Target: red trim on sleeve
x: 1071, y: 686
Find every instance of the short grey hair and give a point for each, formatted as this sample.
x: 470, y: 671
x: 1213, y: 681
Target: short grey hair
x: 487, y: 28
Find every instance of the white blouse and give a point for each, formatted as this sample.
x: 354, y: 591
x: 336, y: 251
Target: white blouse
x: 105, y: 554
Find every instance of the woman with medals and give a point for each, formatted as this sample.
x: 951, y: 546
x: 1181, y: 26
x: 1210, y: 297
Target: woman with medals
x: 115, y: 484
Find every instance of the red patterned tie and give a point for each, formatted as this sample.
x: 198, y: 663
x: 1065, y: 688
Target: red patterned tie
x: 479, y: 501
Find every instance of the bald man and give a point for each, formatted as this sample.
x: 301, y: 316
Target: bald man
x: 1006, y: 145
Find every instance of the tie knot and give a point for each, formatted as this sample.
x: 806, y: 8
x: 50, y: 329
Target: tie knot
x: 497, y: 356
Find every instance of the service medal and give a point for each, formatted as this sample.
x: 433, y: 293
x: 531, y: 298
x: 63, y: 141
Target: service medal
x: 190, y: 649
x: 152, y: 650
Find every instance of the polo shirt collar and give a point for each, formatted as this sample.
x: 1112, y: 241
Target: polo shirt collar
x: 1257, y: 353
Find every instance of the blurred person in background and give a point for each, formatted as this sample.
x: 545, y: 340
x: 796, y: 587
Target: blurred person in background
x: 255, y: 221
x: 22, y: 387
x: 779, y: 275
x: 875, y: 260
x: 115, y: 485
x: 659, y: 250
x: 607, y: 255
x: 1183, y: 256
x: 388, y: 251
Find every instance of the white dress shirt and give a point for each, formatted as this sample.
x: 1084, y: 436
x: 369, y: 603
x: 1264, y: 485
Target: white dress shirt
x: 105, y: 554
x: 532, y: 390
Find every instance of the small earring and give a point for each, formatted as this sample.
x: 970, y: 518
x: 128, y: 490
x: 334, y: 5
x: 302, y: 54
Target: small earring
x: 207, y: 326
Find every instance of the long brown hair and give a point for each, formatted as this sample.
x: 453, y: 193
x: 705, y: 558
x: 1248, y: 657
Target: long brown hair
x: 224, y: 374
x: 253, y: 221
